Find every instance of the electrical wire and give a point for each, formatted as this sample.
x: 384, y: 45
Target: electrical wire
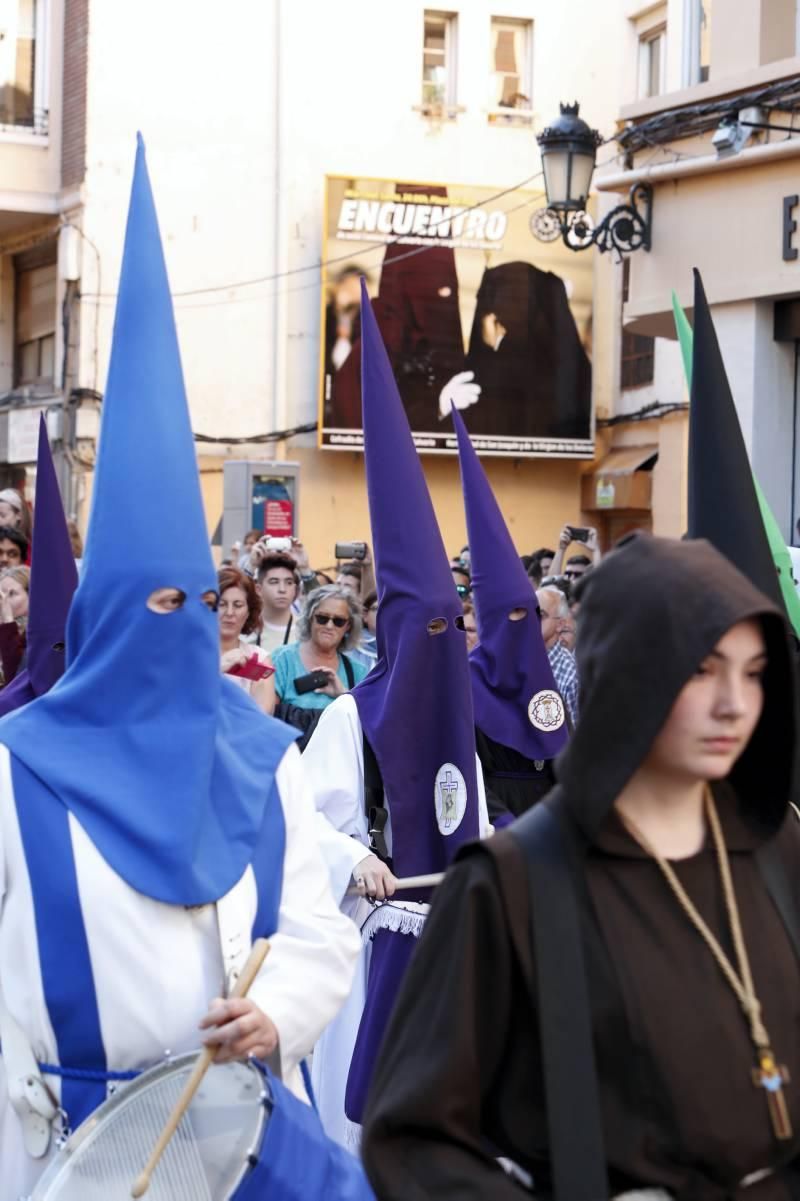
x: 377, y: 248
x: 649, y: 412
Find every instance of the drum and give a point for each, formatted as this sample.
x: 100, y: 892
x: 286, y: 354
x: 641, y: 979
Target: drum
x: 207, y: 1159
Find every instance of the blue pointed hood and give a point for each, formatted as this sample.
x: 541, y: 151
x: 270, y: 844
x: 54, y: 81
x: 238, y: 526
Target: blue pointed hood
x: 54, y: 578
x: 512, y: 681
x: 415, y: 705
x: 166, y: 765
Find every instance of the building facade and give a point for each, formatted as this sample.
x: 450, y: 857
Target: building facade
x: 245, y: 113
x: 708, y: 123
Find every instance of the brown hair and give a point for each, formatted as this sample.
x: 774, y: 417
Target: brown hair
x: 231, y: 577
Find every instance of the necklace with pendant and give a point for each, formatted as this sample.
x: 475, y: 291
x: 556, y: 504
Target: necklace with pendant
x: 768, y: 1073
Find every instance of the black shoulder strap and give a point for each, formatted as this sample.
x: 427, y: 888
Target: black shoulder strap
x: 289, y: 624
x: 577, y: 1154
x: 773, y: 872
x: 375, y: 802
x: 348, y: 670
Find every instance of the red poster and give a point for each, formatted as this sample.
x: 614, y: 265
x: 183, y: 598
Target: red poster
x: 278, y: 518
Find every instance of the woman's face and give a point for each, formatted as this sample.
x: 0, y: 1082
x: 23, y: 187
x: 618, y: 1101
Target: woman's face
x: 16, y: 595
x: 371, y: 617
x: 471, y: 630
x: 714, y: 716
x: 232, y: 612
x: 325, y: 633
x: 9, y: 515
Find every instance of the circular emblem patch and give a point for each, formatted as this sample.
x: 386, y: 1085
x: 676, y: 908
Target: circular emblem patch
x: 546, y: 711
x: 449, y: 798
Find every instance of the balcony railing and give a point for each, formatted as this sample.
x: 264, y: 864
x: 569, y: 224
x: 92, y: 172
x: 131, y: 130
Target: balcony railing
x: 36, y: 121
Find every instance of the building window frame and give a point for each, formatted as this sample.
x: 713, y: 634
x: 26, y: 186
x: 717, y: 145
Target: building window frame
x: 653, y: 53
x: 512, y: 115
x: 35, y: 125
x: 697, y: 18
x: 34, y: 337
x: 637, y: 366
x: 446, y: 101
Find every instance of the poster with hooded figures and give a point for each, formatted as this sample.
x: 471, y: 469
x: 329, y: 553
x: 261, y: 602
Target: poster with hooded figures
x: 474, y: 310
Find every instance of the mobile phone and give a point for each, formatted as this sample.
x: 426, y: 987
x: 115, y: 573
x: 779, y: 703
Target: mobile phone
x: 314, y: 679
x: 252, y: 669
x: 580, y: 533
x: 350, y: 550
x: 278, y: 544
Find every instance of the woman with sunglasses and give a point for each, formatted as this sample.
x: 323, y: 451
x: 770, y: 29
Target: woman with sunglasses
x: 330, y: 625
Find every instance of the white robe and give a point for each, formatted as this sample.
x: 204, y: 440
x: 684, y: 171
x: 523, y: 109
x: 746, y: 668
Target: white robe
x: 334, y: 762
x: 157, y: 966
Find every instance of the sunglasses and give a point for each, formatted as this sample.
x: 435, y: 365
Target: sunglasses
x: 322, y: 619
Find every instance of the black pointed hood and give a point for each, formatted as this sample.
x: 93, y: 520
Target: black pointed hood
x: 723, y: 505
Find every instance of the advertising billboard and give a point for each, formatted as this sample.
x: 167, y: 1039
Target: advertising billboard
x: 474, y: 311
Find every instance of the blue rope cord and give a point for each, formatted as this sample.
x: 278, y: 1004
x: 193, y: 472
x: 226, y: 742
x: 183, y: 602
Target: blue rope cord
x: 55, y: 1069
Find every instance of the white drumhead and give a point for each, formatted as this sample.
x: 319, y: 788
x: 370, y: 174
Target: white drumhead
x: 206, y: 1158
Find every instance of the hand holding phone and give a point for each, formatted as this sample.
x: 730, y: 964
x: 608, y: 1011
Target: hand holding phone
x: 251, y: 669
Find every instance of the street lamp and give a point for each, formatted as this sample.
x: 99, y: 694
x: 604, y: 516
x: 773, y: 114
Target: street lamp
x: 569, y: 148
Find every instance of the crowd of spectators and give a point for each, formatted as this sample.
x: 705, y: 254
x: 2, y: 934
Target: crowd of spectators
x: 314, y: 631
x: 294, y: 637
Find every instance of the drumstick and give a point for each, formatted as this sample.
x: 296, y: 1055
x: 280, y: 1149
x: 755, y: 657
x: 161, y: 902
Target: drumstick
x: 408, y: 882
x: 250, y: 970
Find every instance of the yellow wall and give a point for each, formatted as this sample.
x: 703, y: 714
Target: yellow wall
x: 536, y: 496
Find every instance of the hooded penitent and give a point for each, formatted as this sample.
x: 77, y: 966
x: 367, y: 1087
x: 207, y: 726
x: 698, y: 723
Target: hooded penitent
x: 415, y: 706
x: 723, y: 505
x: 54, y: 578
x: 166, y: 765
x: 514, y: 695
x: 688, y: 596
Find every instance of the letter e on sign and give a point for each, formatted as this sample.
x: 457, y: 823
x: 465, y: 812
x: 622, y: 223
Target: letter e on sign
x: 789, y: 227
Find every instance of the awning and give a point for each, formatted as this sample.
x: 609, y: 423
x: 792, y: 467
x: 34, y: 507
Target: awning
x: 621, y: 480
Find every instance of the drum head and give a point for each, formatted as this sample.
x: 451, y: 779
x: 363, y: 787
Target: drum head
x: 206, y: 1158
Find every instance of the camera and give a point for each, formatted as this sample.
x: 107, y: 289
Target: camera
x: 580, y: 533
x: 350, y: 550
x: 314, y: 679
x: 283, y: 545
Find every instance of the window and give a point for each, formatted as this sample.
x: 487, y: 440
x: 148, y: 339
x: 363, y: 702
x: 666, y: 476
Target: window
x: 652, y: 62
x: 511, y: 72
x: 638, y: 360
x: 35, y: 317
x: 439, y: 60
x: 697, y: 57
x: 23, y: 65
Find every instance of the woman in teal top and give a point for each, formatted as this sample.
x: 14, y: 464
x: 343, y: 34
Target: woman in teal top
x: 330, y: 624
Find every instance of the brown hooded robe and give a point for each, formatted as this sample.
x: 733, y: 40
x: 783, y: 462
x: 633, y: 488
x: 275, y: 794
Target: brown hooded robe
x: 460, y: 1080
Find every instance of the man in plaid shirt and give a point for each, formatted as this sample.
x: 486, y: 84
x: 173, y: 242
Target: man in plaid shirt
x: 555, y: 617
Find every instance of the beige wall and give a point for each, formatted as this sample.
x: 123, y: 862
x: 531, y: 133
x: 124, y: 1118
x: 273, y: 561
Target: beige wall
x: 536, y: 496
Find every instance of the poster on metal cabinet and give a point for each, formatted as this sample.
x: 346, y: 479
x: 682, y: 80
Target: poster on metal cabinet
x: 474, y: 311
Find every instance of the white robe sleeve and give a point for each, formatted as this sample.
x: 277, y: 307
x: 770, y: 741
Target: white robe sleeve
x: 313, y: 955
x: 334, y: 765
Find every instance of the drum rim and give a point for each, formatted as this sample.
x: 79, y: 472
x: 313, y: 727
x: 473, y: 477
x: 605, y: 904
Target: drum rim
x: 186, y: 1059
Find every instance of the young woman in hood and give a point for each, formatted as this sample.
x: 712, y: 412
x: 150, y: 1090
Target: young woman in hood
x: 671, y: 840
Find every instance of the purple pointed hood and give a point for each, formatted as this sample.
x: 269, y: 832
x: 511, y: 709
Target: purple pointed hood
x: 512, y: 681
x: 415, y: 705
x: 54, y: 578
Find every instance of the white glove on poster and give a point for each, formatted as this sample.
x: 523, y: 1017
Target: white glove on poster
x: 459, y: 392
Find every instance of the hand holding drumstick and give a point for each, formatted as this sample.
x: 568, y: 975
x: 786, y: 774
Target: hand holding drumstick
x: 228, y: 1035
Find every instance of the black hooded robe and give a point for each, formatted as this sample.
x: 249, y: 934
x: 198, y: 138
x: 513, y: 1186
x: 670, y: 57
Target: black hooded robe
x: 513, y: 782
x: 459, y: 1081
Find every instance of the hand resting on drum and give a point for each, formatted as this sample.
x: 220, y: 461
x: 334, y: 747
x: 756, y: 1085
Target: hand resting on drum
x: 238, y: 1028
